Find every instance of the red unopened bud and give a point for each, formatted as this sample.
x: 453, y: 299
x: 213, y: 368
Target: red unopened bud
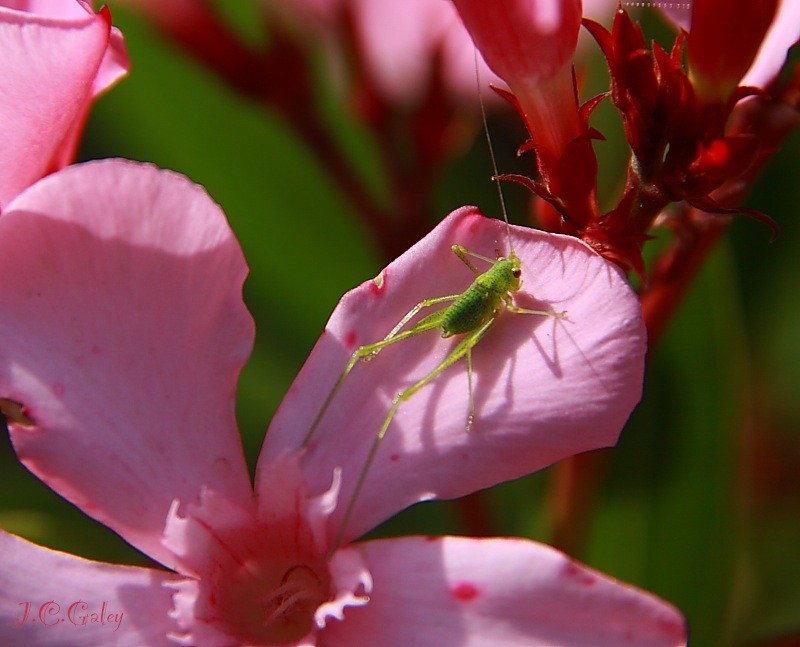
x: 723, y: 42
x: 530, y: 45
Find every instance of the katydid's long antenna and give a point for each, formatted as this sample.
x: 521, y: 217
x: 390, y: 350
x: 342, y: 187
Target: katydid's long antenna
x: 491, y: 150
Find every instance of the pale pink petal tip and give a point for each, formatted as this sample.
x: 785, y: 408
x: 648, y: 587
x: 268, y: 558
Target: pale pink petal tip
x: 352, y: 583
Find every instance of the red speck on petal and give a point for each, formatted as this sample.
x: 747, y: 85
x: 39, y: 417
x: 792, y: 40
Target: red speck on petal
x: 465, y: 591
x: 573, y: 571
x: 96, y: 350
x: 350, y: 339
x: 432, y: 538
x: 394, y: 457
x: 58, y: 389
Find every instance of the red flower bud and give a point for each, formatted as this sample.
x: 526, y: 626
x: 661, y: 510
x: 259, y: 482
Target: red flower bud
x: 723, y: 42
x: 530, y: 45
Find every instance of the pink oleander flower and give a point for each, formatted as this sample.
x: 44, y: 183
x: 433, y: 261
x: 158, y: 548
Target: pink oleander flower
x: 55, y: 58
x: 401, y: 47
x: 122, y: 335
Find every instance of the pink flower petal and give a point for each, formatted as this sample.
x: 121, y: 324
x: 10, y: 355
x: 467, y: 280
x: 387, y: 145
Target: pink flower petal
x: 400, y: 41
x: 353, y: 584
x: 784, y: 32
x: 41, y: 586
x: 123, y: 332
x: 457, y: 591
x: 544, y: 388
x: 51, y: 65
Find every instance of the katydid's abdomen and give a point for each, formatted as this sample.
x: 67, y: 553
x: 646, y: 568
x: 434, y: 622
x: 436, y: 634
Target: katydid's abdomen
x: 472, y: 308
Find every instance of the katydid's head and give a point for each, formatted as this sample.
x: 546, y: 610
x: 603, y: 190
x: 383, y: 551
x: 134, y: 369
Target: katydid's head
x: 510, y: 268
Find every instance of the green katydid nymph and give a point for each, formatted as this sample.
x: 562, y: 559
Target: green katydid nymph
x: 470, y: 314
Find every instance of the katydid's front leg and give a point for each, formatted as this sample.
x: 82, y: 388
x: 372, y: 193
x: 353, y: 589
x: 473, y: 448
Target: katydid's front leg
x: 463, y: 253
x: 463, y: 349
x: 370, y: 350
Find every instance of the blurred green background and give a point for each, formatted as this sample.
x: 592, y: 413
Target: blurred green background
x: 701, y: 501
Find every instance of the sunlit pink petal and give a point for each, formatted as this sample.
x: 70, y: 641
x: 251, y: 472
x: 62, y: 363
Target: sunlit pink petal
x: 131, y: 603
x: 122, y: 332
x: 544, y: 388
x: 54, y: 58
x: 784, y: 32
x: 457, y: 591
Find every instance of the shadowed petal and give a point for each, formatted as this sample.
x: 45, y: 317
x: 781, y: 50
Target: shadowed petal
x: 545, y: 388
x: 41, y: 586
x: 51, y: 65
x: 497, y: 592
x: 122, y: 333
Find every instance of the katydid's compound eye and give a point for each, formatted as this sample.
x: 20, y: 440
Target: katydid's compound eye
x: 517, y: 272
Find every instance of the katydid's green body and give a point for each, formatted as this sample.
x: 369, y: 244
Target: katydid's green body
x: 470, y: 313
x: 482, y: 300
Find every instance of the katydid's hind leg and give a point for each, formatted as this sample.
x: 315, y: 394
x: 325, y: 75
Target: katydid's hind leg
x: 394, y: 333
x: 368, y: 351
x: 471, y: 415
x: 463, y: 348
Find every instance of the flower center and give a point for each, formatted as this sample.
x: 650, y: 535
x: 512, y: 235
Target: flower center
x: 271, y: 603
x: 290, y: 607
